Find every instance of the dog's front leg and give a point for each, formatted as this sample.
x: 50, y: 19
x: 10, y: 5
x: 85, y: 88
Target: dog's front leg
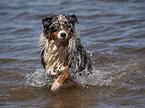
x: 60, y: 80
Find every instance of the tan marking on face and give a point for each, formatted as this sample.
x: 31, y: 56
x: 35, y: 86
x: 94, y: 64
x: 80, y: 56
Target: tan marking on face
x: 57, y: 25
x: 54, y: 35
x: 69, y: 34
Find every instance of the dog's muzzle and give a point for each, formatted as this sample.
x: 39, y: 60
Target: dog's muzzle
x: 62, y: 35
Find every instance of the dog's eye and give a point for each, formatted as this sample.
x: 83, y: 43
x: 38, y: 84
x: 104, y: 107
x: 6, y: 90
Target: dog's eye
x: 66, y: 27
x: 56, y: 27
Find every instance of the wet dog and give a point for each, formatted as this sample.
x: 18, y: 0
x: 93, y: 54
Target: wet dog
x: 63, y: 54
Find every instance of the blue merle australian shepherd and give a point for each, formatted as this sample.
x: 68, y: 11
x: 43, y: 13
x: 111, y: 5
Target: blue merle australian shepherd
x: 63, y: 55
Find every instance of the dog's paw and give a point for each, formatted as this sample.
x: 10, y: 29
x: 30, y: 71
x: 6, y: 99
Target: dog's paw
x: 55, y: 85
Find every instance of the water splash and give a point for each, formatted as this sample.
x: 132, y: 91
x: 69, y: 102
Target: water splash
x: 39, y: 78
x: 116, y: 74
x: 98, y: 78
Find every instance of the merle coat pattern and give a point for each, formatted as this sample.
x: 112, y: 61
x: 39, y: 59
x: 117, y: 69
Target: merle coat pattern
x: 62, y: 52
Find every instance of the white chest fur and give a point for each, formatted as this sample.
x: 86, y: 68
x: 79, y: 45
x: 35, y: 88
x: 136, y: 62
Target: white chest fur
x: 55, y: 57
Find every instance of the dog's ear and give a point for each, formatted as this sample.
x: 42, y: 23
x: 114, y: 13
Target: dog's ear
x: 46, y: 21
x: 73, y: 19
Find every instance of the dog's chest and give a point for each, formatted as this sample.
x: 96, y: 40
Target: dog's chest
x: 55, y: 58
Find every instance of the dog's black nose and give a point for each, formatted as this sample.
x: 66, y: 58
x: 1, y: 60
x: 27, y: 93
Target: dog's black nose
x: 63, y: 35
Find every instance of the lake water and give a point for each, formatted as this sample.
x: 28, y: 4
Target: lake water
x: 113, y: 31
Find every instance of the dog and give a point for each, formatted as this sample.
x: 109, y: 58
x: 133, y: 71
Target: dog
x: 63, y: 55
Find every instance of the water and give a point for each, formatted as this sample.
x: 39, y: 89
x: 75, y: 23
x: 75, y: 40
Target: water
x: 112, y: 30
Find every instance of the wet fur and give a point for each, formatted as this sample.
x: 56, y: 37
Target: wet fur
x: 55, y: 55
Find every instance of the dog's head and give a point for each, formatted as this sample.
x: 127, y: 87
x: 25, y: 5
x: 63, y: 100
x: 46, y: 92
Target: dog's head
x: 59, y: 27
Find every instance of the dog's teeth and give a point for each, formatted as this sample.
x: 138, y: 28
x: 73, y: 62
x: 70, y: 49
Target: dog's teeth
x: 55, y: 85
